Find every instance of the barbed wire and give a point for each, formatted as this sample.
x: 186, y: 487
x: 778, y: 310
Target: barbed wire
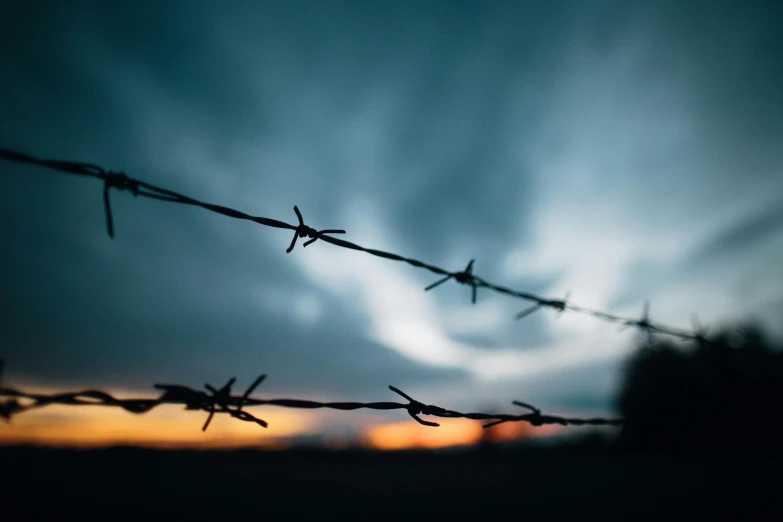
x: 121, y: 181
x: 221, y: 400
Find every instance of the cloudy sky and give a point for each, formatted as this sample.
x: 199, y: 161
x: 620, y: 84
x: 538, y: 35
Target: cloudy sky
x: 620, y: 150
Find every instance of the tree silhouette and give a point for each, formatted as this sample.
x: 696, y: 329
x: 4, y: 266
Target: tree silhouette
x: 721, y: 397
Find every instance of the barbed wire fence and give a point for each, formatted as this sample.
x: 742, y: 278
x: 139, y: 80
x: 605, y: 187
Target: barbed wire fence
x: 121, y: 181
x: 222, y: 401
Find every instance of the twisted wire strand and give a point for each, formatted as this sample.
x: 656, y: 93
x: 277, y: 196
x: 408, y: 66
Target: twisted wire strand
x: 120, y: 181
x: 222, y: 400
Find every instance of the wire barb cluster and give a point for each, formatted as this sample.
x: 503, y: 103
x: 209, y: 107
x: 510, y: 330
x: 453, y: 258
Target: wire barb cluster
x: 222, y: 401
x: 304, y: 231
x: 465, y: 277
x: 555, y: 304
x: 121, y: 181
x: 643, y: 323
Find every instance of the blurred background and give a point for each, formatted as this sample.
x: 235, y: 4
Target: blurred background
x: 620, y: 150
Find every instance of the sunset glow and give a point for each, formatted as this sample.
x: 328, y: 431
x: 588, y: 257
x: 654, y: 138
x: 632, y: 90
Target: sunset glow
x: 451, y: 433
x: 165, y: 427
x: 411, y: 435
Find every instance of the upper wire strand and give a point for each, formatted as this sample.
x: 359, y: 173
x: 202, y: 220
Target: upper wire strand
x: 142, y: 189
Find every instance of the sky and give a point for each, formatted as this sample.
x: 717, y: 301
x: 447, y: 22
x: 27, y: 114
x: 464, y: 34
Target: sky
x: 622, y: 151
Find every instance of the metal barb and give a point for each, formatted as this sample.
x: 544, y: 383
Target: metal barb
x: 121, y: 181
x: 535, y: 412
x: 415, y: 408
x: 219, y: 398
x: 222, y: 399
x: 304, y: 231
x: 8, y: 408
x: 533, y: 418
x: 558, y: 304
x: 527, y: 311
x: 465, y: 277
x: 249, y: 390
x: 643, y: 323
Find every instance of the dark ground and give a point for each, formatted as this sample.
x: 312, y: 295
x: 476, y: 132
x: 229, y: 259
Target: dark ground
x: 526, y: 484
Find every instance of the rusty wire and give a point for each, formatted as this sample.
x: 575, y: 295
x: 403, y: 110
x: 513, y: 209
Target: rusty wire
x: 121, y: 181
x: 221, y: 400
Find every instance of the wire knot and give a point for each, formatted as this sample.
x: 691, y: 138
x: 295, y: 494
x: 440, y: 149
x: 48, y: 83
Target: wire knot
x: 8, y: 408
x: 174, y: 393
x: 223, y: 399
x: 304, y: 231
x: 643, y: 324
x: 558, y: 304
x: 465, y: 277
x: 534, y: 417
x: 219, y: 401
x: 416, y: 408
x: 120, y: 181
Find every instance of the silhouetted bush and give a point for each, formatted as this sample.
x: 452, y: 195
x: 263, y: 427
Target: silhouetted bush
x: 721, y: 397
